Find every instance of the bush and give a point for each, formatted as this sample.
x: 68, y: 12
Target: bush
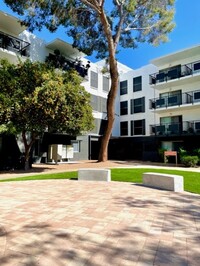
x: 197, y: 153
x: 189, y: 161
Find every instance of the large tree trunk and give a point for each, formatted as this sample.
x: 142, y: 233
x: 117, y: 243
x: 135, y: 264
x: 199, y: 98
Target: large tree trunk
x: 103, y: 153
x: 27, y: 148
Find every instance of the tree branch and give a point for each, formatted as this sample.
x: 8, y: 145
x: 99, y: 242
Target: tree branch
x: 122, y: 18
x: 93, y: 5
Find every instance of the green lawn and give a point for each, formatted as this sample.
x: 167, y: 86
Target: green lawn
x: 191, y: 179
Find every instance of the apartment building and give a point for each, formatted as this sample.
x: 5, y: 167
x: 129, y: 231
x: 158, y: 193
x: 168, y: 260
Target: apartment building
x: 157, y: 106
x: 135, y: 116
x: 160, y: 107
x: 177, y: 103
x: 17, y: 43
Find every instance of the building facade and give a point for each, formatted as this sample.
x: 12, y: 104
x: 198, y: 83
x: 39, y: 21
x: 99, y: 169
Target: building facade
x: 157, y: 106
x: 16, y: 43
x: 160, y: 107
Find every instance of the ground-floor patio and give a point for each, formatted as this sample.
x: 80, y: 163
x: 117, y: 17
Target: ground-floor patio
x: 68, y: 222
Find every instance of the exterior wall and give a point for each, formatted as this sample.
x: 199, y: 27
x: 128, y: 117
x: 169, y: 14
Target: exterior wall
x: 83, y: 154
x: 188, y: 85
x: 38, y: 50
x: 146, y: 92
x: 97, y: 84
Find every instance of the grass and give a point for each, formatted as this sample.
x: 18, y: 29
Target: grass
x: 65, y: 175
x: 191, y: 179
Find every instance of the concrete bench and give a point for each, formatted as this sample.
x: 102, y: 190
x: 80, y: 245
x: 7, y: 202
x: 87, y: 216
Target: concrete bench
x: 164, y: 181
x: 93, y: 174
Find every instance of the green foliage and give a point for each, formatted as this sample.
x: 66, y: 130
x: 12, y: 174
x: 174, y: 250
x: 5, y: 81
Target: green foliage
x: 187, y: 157
x: 102, y: 27
x: 182, y: 152
x: 37, y: 98
x: 189, y: 161
x: 90, y: 22
x: 34, y: 98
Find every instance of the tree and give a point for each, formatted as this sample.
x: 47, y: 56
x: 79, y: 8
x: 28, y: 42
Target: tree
x: 102, y: 26
x: 35, y: 98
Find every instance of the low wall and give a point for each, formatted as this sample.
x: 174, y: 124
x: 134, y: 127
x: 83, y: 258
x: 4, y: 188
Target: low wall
x: 164, y: 181
x: 92, y: 174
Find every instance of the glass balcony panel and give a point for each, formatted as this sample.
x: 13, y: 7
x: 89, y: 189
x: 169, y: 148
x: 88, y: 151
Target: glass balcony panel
x: 197, y: 96
x: 160, y: 77
x: 160, y: 102
x: 196, y: 66
x: 173, y: 74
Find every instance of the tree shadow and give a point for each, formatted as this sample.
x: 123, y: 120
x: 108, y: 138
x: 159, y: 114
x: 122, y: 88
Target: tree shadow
x: 136, y: 239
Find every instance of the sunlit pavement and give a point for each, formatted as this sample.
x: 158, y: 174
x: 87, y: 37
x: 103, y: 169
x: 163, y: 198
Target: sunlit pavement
x: 69, y: 222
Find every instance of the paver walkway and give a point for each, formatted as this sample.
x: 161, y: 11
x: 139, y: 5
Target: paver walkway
x: 68, y: 222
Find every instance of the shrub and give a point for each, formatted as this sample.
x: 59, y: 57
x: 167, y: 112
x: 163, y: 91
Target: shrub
x: 189, y: 161
x: 182, y: 152
x: 197, y: 153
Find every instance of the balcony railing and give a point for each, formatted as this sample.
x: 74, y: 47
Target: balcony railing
x: 175, y: 100
x: 59, y: 61
x: 174, y: 73
x: 14, y: 44
x: 171, y: 129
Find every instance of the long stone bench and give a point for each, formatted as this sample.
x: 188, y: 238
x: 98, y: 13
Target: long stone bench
x: 164, y: 181
x: 93, y: 174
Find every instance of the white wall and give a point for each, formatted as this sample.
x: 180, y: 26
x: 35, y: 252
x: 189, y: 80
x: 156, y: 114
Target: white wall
x: 147, y: 91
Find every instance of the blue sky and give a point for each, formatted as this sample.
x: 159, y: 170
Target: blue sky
x: 186, y: 34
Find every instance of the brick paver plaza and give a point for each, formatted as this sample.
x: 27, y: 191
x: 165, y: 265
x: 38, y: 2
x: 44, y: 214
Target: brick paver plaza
x: 69, y: 222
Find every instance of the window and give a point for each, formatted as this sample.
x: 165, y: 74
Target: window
x: 138, y: 127
x: 124, y: 128
x: 103, y: 104
x: 138, y: 105
x: 106, y: 84
x: 124, y: 108
x: 171, y: 98
x: 94, y: 79
x: 123, y: 87
x: 94, y: 102
x: 137, y: 84
x: 76, y: 145
x: 173, y: 124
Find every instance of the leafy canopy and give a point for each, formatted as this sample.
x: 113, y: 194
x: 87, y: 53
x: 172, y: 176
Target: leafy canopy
x: 35, y: 98
x: 128, y: 21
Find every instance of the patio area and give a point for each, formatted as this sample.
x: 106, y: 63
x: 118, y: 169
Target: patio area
x: 69, y: 222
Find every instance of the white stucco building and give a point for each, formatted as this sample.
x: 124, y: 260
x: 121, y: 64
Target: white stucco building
x: 157, y: 107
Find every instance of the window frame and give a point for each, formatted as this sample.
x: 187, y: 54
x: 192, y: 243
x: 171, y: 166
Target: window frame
x: 134, y: 127
x: 123, y: 88
x: 78, y: 146
x: 134, y: 105
x: 124, y: 109
x: 137, y: 86
x: 94, y: 79
x: 122, y: 129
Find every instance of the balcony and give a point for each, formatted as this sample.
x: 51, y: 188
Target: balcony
x: 11, y: 43
x: 57, y: 60
x: 176, y: 129
x: 174, y: 74
x: 185, y: 100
